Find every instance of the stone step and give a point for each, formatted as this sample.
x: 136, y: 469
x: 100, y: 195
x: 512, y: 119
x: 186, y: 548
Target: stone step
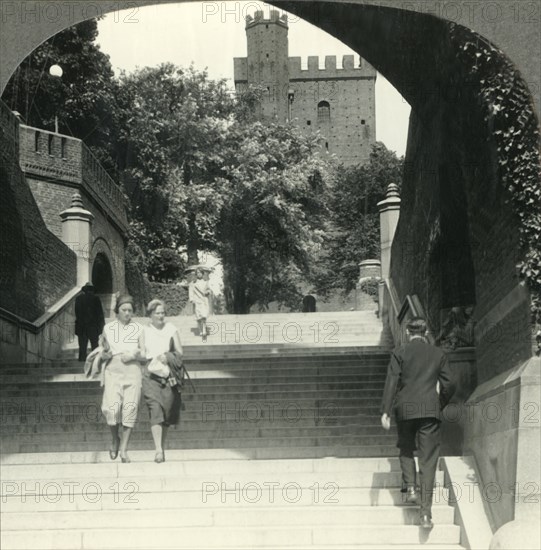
x: 95, y: 432
x: 225, y: 381
x: 251, y: 416
x: 239, y: 351
x: 55, y: 409
x: 251, y: 449
x: 125, y: 494
x: 210, y: 460
x: 56, y: 398
x: 208, y: 421
x: 231, y: 537
x: 166, y: 477
x: 277, y: 516
x: 318, y: 437
x: 308, y: 363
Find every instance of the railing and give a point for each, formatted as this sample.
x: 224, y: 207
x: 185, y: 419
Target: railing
x: 397, y: 314
x: 96, y: 179
x: 42, y: 340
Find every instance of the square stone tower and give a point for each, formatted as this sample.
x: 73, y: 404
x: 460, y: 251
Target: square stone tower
x: 339, y: 102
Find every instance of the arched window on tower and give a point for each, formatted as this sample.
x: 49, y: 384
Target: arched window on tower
x: 323, y: 112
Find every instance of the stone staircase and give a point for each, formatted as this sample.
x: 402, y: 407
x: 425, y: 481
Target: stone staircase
x: 280, y: 447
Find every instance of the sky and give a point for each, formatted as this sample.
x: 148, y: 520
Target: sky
x: 211, y: 34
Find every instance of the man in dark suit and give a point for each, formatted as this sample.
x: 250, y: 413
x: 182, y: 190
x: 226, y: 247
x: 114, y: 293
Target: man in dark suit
x: 89, y: 320
x: 420, y: 383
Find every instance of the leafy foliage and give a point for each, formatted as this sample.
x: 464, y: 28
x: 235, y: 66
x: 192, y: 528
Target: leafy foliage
x: 275, y: 185
x: 84, y: 98
x: 353, y: 231
x: 509, y: 112
x: 173, y: 124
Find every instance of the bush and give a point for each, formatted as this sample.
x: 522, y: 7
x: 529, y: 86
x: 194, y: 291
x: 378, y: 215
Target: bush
x: 174, y: 296
x: 370, y: 287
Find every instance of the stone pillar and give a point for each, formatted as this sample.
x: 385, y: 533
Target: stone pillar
x: 389, y: 211
x: 76, y: 222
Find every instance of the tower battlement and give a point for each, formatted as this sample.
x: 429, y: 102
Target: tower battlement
x: 363, y: 69
x: 259, y: 19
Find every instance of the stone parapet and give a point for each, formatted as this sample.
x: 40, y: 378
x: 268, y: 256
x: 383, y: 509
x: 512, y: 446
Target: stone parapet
x: 348, y: 69
x: 51, y: 156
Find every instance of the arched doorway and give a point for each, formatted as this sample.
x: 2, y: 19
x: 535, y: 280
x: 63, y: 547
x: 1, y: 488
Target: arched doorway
x: 102, y: 274
x: 102, y: 279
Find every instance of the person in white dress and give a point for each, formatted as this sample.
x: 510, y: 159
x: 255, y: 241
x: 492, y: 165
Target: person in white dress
x: 159, y: 391
x: 198, y: 293
x: 123, y: 340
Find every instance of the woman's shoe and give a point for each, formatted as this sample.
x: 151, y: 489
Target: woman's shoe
x: 204, y: 337
x: 113, y: 453
x: 160, y: 457
x: 125, y: 459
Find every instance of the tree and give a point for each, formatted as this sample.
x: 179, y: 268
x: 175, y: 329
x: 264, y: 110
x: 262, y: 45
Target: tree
x: 274, y: 185
x: 83, y: 99
x: 353, y: 232
x: 174, y: 121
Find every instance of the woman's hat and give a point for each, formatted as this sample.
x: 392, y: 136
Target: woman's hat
x: 124, y: 299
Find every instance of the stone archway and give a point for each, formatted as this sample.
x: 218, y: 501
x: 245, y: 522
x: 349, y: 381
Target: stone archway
x: 102, y: 274
x: 462, y: 145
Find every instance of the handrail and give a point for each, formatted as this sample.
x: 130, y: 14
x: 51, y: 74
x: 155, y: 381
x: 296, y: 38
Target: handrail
x: 49, y: 315
x: 397, y: 315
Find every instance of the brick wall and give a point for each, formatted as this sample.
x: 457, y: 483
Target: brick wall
x: 457, y: 241
x: 56, y: 167
x: 36, y: 268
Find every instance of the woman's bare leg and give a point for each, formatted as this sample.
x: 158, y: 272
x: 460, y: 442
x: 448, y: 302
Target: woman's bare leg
x: 157, y: 435
x: 164, y: 436
x: 124, y: 440
x: 115, y: 437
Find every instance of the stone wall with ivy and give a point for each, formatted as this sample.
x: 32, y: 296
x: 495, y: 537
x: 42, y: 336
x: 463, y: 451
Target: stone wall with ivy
x: 470, y: 223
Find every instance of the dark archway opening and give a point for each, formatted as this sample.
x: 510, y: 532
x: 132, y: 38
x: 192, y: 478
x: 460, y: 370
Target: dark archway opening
x: 102, y: 275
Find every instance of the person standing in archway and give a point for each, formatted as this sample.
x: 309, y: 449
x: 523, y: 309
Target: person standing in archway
x: 198, y: 294
x: 420, y: 384
x: 89, y: 320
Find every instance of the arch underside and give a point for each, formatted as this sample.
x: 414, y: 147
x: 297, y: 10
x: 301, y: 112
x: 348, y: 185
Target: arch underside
x: 455, y: 213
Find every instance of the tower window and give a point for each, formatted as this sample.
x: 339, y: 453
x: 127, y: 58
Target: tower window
x: 63, y: 147
x: 267, y: 56
x: 37, y: 137
x: 323, y: 111
x: 327, y: 145
x: 363, y: 121
x: 266, y: 26
x: 308, y: 123
x: 50, y: 144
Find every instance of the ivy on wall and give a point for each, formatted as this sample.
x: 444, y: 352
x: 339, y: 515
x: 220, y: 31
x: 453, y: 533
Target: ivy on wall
x: 509, y: 114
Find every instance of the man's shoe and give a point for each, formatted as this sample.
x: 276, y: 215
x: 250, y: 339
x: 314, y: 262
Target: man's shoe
x: 412, y: 496
x: 426, y: 521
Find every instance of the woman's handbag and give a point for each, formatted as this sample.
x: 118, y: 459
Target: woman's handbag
x: 179, y: 374
x: 157, y: 368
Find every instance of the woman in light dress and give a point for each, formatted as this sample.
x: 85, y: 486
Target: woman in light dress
x: 198, y: 294
x: 160, y: 393
x: 123, y: 342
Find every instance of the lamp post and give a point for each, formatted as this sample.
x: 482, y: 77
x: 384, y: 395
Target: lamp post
x: 57, y: 72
